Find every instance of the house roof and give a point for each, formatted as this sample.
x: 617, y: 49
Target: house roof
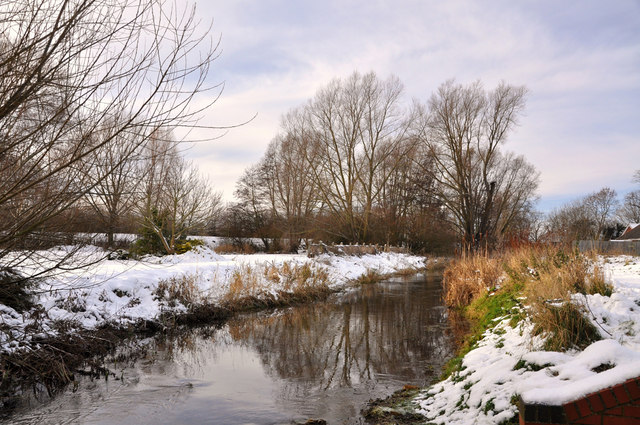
x: 630, y: 234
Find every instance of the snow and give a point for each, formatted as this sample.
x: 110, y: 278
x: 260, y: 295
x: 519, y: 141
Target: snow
x: 122, y: 291
x: 508, y: 362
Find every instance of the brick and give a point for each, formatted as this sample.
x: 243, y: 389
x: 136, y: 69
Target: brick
x: 583, y: 407
x: 616, y: 411
x: 597, y: 405
x: 590, y: 420
x: 571, y: 411
x: 530, y: 413
x: 631, y: 411
x: 608, y: 398
x: 633, y: 389
x: 616, y: 420
x: 621, y: 394
x: 543, y: 415
x: 557, y: 415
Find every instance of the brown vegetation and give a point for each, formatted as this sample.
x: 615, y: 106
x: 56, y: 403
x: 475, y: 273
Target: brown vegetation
x: 544, y: 278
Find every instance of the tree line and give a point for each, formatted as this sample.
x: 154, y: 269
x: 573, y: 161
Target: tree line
x: 92, y: 91
x: 356, y: 165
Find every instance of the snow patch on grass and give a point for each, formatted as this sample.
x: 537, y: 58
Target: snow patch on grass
x: 508, y: 362
x: 124, y: 291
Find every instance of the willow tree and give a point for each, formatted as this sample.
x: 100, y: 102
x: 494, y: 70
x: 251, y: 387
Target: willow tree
x: 68, y: 70
x: 463, y: 128
x: 354, y: 128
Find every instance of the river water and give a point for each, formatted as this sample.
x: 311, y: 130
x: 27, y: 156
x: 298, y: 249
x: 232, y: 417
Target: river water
x: 323, y: 360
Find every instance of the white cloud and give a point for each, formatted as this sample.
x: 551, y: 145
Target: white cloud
x: 579, y: 59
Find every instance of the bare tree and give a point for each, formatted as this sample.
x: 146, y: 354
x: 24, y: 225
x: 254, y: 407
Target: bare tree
x: 569, y: 223
x: 68, y: 69
x: 463, y: 129
x: 175, y: 199
x: 253, y: 216
x: 629, y: 211
x: 600, y: 207
x: 113, y: 173
x: 588, y: 217
x: 354, y: 126
x: 290, y: 188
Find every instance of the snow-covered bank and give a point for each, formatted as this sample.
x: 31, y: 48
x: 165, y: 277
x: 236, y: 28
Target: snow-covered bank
x: 508, y: 362
x: 122, y: 291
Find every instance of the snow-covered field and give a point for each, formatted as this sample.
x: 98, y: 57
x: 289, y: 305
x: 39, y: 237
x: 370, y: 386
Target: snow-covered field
x: 122, y: 290
x: 508, y: 362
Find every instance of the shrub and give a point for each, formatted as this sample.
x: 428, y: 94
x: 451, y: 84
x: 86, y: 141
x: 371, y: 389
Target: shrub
x: 14, y: 290
x: 182, y: 289
x: 186, y: 245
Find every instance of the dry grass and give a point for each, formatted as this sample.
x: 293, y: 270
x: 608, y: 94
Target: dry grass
x: 252, y: 287
x: 467, y: 278
x: 370, y: 276
x: 230, y: 248
x: 182, y: 289
x: 547, y: 277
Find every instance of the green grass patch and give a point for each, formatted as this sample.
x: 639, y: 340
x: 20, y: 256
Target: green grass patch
x: 482, y: 314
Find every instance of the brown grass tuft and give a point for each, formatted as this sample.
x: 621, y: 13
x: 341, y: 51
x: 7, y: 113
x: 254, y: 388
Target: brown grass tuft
x: 182, y: 289
x: 547, y: 277
x: 253, y: 287
x: 468, y: 277
x: 230, y: 248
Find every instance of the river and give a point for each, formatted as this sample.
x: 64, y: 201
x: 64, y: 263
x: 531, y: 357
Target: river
x: 323, y: 360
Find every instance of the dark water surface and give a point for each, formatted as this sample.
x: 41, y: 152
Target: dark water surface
x: 324, y: 360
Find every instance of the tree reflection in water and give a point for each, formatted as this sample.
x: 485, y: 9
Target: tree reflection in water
x: 321, y: 360
x: 389, y: 334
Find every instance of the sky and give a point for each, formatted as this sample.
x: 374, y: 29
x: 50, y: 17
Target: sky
x: 580, y: 61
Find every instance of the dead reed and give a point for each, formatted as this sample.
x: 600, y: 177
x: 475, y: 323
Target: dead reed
x: 544, y: 277
x: 468, y: 277
x: 275, y: 285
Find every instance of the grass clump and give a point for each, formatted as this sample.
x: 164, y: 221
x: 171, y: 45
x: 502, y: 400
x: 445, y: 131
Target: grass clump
x: 482, y: 289
x: 274, y: 285
x: 370, y: 276
x: 565, y: 326
x: 467, y: 278
x: 178, y: 289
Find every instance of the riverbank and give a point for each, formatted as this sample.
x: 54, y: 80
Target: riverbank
x: 511, y: 361
x: 90, y: 311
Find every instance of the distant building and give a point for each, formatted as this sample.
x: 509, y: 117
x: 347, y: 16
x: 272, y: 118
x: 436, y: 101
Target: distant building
x: 631, y: 233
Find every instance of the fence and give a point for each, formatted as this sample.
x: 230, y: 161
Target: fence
x: 317, y: 249
x: 611, y: 247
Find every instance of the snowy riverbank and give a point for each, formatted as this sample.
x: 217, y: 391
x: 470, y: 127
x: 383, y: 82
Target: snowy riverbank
x: 124, y: 291
x: 508, y: 363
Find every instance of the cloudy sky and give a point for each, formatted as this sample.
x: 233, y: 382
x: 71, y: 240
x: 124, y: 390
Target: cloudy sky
x: 579, y: 59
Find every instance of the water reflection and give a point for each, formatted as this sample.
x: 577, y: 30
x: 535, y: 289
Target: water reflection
x: 324, y: 360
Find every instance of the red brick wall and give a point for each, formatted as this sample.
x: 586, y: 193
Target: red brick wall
x: 618, y: 405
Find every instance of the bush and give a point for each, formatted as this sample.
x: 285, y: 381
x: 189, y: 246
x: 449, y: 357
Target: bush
x: 182, y: 289
x: 187, y: 245
x: 14, y: 290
